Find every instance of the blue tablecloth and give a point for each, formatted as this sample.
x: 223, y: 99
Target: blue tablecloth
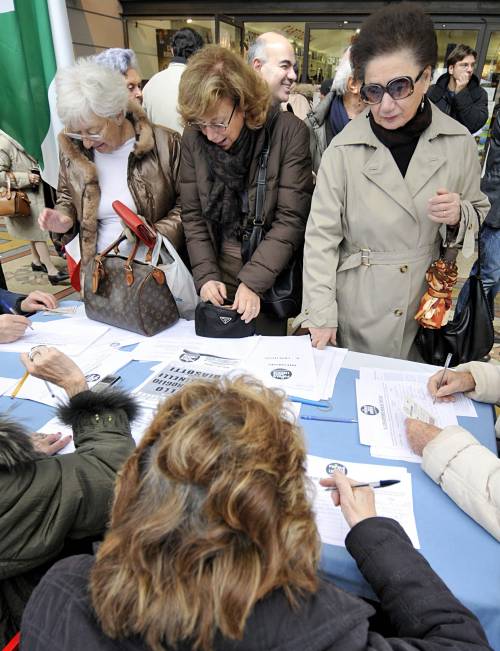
x: 465, y: 556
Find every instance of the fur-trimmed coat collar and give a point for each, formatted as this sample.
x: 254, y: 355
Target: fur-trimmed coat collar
x: 152, y: 178
x: 144, y: 142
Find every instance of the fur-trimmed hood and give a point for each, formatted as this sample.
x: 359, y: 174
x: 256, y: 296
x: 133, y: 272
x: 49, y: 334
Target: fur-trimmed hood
x: 16, y: 447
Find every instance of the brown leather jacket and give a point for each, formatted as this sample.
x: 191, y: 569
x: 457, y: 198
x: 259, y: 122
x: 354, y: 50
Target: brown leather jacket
x: 153, y: 182
x: 286, y: 208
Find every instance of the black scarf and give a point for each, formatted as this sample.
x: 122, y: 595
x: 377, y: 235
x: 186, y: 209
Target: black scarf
x: 402, y: 142
x: 229, y: 170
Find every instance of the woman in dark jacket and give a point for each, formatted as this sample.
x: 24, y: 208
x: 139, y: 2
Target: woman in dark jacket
x: 226, y: 107
x: 213, y: 546
x: 52, y: 506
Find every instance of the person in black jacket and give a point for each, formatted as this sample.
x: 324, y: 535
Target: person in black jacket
x: 458, y: 92
x: 213, y: 545
x: 490, y: 229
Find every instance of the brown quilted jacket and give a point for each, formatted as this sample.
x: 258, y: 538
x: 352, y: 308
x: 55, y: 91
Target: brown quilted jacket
x: 286, y: 207
x: 153, y: 182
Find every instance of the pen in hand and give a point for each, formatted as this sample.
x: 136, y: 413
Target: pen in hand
x: 374, y: 484
x: 12, y: 311
x: 441, y: 379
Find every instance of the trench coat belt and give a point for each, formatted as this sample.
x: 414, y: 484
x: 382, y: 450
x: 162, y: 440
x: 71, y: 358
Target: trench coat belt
x: 367, y: 257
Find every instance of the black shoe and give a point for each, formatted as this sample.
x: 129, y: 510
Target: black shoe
x: 38, y: 267
x: 58, y: 278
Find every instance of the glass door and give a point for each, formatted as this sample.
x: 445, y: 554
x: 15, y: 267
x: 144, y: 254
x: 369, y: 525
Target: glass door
x: 324, y: 45
x: 229, y: 33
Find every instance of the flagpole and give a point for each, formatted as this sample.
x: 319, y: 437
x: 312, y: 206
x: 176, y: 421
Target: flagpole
x: 61, y: 34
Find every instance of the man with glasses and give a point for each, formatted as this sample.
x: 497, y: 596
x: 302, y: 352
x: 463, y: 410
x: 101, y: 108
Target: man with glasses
x: 458, y: 93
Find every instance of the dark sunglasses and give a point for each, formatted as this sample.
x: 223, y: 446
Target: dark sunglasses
x: 397, y: 88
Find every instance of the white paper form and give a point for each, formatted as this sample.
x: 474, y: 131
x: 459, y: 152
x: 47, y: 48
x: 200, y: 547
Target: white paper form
x: 170, y: 378
x: 392, y: 501
x: 328, y: 363
x: 7, y: 384
x: 94, y: 366
x: 285, y: 363
x: 381, y: 418
x: 463, y: 406
x: 164, y: 348
x: 65, y: 335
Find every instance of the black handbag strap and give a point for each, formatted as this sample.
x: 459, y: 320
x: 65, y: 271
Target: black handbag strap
x: 258, y: 221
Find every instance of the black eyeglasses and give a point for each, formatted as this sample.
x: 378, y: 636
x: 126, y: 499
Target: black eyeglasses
x: 397, y: 88
x: 220, y: 127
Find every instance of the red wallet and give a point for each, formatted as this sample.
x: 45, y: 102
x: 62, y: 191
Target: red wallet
x: 143, y: 231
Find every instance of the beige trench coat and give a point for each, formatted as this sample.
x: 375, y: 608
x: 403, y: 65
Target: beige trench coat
x: 15, y: 159
x: 369, y: 240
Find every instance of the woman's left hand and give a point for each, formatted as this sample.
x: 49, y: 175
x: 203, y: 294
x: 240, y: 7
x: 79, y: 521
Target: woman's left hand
x: 49, y: 444
x: 246, y: 303
x: 444, y: 208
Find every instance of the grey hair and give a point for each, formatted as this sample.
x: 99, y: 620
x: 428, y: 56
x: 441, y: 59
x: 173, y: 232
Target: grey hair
x: 257, y: 49
x: 344, y: 71
x: 117, y: 58
x: 86, y: 89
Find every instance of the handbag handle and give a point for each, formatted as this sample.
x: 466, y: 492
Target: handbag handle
x: 262, y: 175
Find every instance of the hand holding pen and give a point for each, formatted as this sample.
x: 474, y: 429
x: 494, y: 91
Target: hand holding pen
x: 442, y: 377
x: 12, y: 326
x: 356, y: 505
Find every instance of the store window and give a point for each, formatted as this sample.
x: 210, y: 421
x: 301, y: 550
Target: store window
x: 326, y: 47
x: 230, y: 36
x: 293, y: 31
x: 150, y: 40
x: 491, y: 70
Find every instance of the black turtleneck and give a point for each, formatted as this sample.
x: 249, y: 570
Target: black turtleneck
x: 402, y: 142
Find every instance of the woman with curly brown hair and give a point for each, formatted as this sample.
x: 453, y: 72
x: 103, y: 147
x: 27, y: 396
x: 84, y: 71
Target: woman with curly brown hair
x: 213, y: 545
x: 226, y: 108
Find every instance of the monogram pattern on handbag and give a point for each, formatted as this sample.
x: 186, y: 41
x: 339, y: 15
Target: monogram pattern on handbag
x: 128, y: 294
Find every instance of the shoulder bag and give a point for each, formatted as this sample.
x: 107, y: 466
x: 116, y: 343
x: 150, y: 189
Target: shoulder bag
x: 469, y: 336
x: 128, y: 294
x: 284, y: 298
x: 13, y: 203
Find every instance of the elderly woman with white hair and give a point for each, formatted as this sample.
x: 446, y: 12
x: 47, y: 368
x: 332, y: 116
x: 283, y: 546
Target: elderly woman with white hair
x: 125, y: 62
x: 335, y: 110
x: 110, y: 151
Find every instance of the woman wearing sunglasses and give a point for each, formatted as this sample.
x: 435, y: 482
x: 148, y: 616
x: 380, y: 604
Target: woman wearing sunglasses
x: 226, y: 108
x: 109, y: 151
x: 399, y: 180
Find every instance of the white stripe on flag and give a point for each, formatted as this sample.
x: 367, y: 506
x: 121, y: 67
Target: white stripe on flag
x: 50, y: 172
x: 6, y: 5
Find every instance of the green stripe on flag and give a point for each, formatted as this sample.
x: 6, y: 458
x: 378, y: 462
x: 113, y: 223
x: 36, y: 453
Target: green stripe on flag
x: 27, y: 67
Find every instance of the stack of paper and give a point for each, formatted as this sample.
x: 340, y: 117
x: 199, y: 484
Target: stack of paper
x: 391, y: 502
x: 328, y: 363
x: 386, y: 398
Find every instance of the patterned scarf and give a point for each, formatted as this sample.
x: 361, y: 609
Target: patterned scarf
x: 229, y: 171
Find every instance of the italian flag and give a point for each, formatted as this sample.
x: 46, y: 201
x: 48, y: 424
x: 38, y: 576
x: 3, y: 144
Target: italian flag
x: 34, y: 41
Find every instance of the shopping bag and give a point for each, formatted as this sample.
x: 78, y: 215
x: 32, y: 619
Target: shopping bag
x: 179, y: 279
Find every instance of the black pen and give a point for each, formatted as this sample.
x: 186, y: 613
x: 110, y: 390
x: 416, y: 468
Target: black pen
x: 445, y: 368
x: 374, y: 484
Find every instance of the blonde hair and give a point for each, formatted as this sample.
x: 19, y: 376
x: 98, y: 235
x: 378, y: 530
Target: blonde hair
x: 214, y: 73
x: 211, y: 513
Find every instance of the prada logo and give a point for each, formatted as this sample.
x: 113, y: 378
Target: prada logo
x: 225, y: 319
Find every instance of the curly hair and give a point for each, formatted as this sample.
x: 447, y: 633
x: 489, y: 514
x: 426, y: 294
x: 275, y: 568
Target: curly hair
x: 215, y: 73
x: 211, y: 513
x: 396, y: 27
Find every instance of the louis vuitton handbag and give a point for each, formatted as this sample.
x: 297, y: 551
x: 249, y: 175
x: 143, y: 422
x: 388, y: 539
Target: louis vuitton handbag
x: 128, y: 294
x: 13, y: 203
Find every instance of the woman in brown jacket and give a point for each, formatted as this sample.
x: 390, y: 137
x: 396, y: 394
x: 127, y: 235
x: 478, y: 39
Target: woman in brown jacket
x: 225, y: 106
x: 109, y: 151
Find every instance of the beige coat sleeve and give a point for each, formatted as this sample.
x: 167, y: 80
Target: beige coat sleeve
x: 487, y: 379
x: 474, y: 204
x: 468, y: 472
x: 324, y: 233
